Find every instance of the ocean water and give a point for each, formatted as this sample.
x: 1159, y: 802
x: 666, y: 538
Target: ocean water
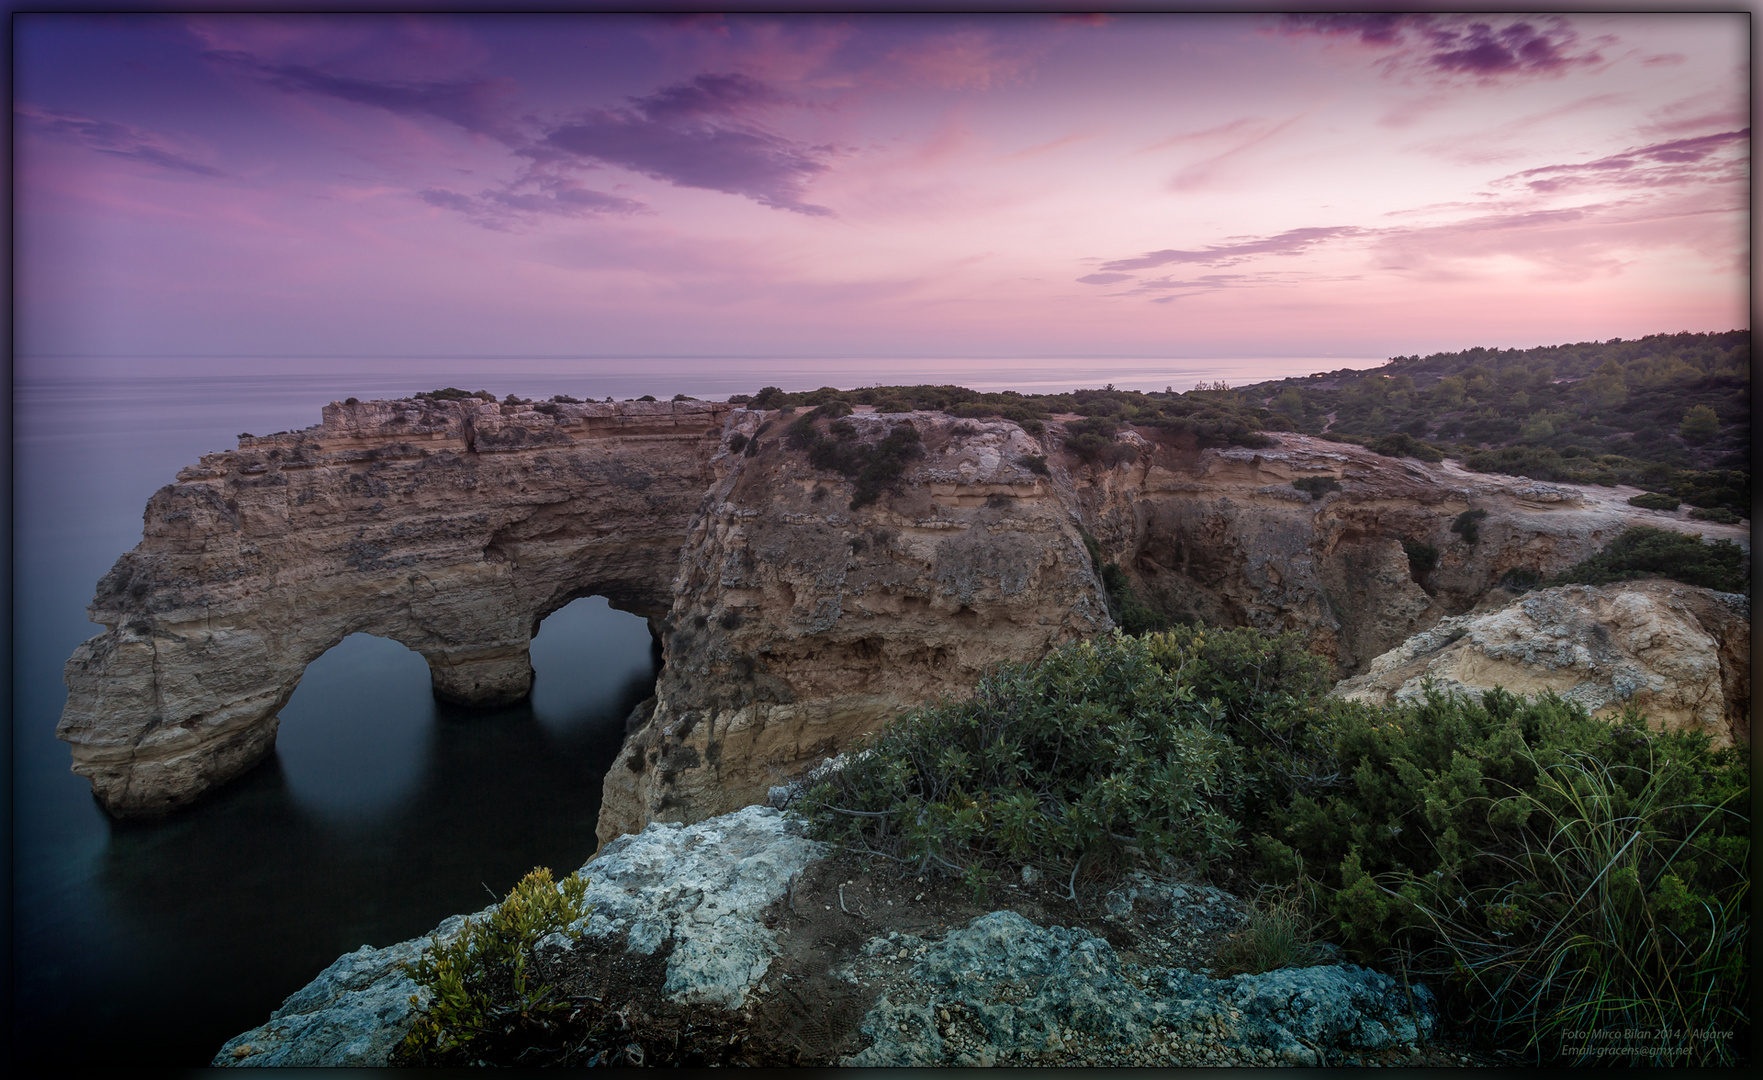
x: 382, y: 811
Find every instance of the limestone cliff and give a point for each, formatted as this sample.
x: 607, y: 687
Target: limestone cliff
x: 451, y: 526
x: 799, y: 623
x: 1681, y: 654
x: 793, y: 622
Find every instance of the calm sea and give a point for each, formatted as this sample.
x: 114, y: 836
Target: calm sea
x: 381, y: 811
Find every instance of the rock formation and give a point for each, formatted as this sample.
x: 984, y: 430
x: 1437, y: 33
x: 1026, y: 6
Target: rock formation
x: 694, y: 893
x: 791, y: 622
x: 1000, y: 989
x: 452, y: 527
x: 799, y: 623
x: 1681, y: 654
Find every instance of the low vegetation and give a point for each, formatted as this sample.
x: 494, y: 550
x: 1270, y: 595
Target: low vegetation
x: 1546, y: 870
x: 1316, y: 486
x: 1645, y: 552
x: 873, y: 467
x: 1667, y: 412
x: 485, y: 999
x: 1652, y: 500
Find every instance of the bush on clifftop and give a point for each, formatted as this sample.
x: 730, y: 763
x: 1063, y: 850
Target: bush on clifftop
x: 1552, y: 871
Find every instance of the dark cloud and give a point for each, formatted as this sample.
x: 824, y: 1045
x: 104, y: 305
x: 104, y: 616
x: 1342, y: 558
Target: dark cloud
x: 1290, y: 242
x: 477, y: 105
x: 1371, y: 28
x: 558, y: 198
x: 1483, y: 50
x: 703, y: 133
x: 117, y: 140
x: 700, y: 134
x: 1477, y: 46
x: 1672, y: 163
x: 1104, y: 279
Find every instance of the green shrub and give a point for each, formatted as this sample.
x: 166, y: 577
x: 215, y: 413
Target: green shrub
x: 1279, y: 933
x: 1467, y: 834
x: 1124, y: 606
x: 1520, y: 579
x: 1720, y: 515
x: 769, y: 397
x: 1645, y: 552
x: 1402, y: 444
x: 1652, y: 500
x: 1105, y: 753
x: 1584, y: 921
x: 737, y: 442
x: 1468, y: 525
x: 1035, y: 463
x: 484, y: 1002
x: 1092, y: 440
x: 874, y: 467
x: 1317, y: 486
x: 1422, y: 557
x: 453, y: 393
x: 1699, y: 425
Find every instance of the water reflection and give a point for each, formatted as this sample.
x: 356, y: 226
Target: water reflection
x: 354, y: 735
x: 202, y: 923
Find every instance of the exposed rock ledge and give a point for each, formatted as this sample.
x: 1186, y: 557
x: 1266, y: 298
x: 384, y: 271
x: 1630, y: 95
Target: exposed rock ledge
x: 1681, y: 654
x: 1000, y: 989
x: 790, y: 623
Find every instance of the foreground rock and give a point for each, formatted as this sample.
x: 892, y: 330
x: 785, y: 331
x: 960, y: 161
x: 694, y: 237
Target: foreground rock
x: 1680, y: 653
x: 779, y: 951
x: 1029, y: 995
x: 693, y: 894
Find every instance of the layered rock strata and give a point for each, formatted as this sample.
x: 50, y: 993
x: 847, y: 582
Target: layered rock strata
x: 799, y: 623
x: 791, y: 622
x: 452, y: 527
x: 1679, y: 653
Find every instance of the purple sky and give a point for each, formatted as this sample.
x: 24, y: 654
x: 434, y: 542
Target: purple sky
x: 1177, y: 186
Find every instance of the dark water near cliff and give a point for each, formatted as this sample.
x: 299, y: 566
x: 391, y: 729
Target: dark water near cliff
x: 382, y: 812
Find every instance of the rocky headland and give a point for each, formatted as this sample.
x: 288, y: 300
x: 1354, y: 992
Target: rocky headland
x: 790, y: 621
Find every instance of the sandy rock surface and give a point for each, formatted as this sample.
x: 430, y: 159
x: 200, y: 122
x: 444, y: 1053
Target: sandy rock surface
x: 791, y: 623
x: 1680, y: 653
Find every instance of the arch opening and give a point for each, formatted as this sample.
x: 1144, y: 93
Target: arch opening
x: 591, y: 664
x: 355, y: 733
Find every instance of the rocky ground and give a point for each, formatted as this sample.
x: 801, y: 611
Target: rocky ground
x: 736, y: 941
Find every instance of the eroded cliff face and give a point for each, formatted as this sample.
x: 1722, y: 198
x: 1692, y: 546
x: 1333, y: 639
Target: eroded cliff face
x: 799, y: 623
x: 452, y: 527
x: 793, y: 622
x: 1223, y: 536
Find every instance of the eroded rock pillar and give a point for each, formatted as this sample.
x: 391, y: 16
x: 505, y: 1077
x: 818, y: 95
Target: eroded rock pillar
x: 484, y: 678
x: 156, y: 717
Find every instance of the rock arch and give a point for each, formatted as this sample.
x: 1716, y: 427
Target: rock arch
x: 451, y: 527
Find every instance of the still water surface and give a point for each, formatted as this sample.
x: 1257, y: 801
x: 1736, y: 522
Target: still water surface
x: 382, y: 811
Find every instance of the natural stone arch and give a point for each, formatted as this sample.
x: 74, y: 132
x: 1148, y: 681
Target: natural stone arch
x: 453, y: 528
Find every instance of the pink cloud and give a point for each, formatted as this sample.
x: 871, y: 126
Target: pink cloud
x: 1479, y: 48
x: 1717, y: 158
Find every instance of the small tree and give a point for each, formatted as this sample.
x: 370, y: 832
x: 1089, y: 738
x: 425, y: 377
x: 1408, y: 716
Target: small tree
x: 1699, y: 425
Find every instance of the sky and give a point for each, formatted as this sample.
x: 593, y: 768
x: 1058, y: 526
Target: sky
x: 906, y: 186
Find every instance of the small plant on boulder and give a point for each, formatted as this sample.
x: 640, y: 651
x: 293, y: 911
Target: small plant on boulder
x: 485, y: 999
